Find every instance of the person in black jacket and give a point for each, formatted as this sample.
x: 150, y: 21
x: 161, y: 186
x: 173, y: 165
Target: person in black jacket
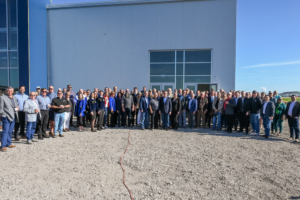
x: 243, y: 108
x: 93, y: 107
x: 255, y: 104
x: 119, y: 108
x: 176, y: 108
x: 134, y: 111
x: 165, y: 109
x: 229, y: 111
x: 292, y: 114
x: 236, y: 96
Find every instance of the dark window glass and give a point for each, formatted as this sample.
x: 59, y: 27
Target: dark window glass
x: 162, y: 69
x: 162, y: 79
x: 197, y: 79
x: 3, y: 59
x: 157, y: 87
x: 179, y: 56
x: 13, y: 59
x: 179, y: 69
x: 198, y: 56
x: 198, y: 69
x: 14, y: 78
x: 3, y: 29
x: 12, y: 22
x: 3, y: 78
x: 179, y: 82
x: 162, y: 56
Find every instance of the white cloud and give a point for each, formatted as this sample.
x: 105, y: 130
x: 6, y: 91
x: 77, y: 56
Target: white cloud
x: 275, y: 64
x: 264, y: 89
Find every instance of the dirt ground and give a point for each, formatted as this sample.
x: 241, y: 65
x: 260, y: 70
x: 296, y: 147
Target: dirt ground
x: 183, y: 164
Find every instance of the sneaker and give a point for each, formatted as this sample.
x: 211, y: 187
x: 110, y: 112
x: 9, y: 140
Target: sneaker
x: 29, y: 142
x: 34, y: 140
x: 296, y: 140
x: 3, y: 149
x: 105, y: 127
x: 61, y: 135
x: 257, y: 134
x: 55, y: 136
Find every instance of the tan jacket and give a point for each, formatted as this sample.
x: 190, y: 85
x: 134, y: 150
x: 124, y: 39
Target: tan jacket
x: 202, y: 104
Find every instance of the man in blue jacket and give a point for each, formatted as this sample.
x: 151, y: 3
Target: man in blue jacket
x: 144, y: 108
x: 165, y: 109
x: 192, y: 108
x: 266, y: 113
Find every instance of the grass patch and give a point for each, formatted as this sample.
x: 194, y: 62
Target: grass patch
x: 288, y: 99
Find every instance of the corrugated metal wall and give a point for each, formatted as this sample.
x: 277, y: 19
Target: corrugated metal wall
x: 109, y: 45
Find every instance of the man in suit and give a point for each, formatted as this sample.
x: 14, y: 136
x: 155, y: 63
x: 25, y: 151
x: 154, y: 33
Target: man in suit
x: 192, y: 108
x: 133, y: 112
x: 176, y: 107
x: 236, y: 113
x: 9, y: 114
x: 182, y: 114
x: 210, y: 99
x: 165, y: 109
x: 266, y: 114
x: 21, y: 98
x: 201, y: 110
x: 243, y: 108
x: 292, y: 114
x: 144, y: 108
x: 229, y: 111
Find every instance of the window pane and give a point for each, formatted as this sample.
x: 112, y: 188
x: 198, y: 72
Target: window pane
x: 3, y: 29
x: 179, y: 82
x: 162, y: 69
x: 3, y: 59
x: 198, y: 56
x: 3, y: 78
x: 157, y: 87
x: 162, y: 56
x: 179, y: 69
x: 179, y: 56
x: 198, y: 69
x: 14, y: 78
x: 12, y: 22
x: 197, y: 79
x: 13, y: 59
x: 162, y: 79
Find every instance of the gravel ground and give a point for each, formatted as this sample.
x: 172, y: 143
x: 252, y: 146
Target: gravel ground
x: 182, y: 164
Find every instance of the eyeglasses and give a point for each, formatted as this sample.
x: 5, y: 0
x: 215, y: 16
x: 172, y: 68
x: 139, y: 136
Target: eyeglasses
x: 59, y: 93
x: 69, y: 87
x: 44, y: 91
x: 50, y: 88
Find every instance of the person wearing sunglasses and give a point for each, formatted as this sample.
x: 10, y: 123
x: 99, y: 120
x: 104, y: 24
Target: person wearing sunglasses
x: 44, y: 104
x: 51, y: 95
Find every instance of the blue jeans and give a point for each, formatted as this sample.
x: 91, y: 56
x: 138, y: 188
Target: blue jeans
x: 165, y: 119
x: 182, y: 118
x: 294, y: 125
x: 105, y: 115
x: 267, y: 125
x: 254, y: 120
x: 7, y: 129
x: 59, y: 123
x: 217, y: 118
x: 30, y: 129
x: 145, y: 118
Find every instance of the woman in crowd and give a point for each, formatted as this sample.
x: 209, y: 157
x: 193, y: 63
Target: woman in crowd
x: 218, y: 111
x: 112, y: 109
x: 279, y: 115
x: 93, y: 107
x: 68, y: 113
x: 32, y: 114
x: 79, y: 112
x: 119, y: 108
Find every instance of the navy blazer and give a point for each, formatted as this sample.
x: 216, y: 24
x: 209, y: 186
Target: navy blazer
x: 193, y: 105
x: 143, y: 104
x: 118, y: 104
x: 165, y: 107
x: 270, y: 110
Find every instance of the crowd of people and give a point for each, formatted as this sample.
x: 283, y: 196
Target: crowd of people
x: 234, y: 110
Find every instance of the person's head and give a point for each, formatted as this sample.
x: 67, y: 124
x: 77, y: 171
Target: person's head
x: 51, y: 89
x: 92, y: 95
x: 266, y: 98
x: 279, y: 100
x: 80, y: 96
x: 192, y: 95
x: 85, y: 93
x: 293, y: 97
x: 175, y: 90
x: 146, y: 93
x: 223, y: 96
x: 101, y: 93
x: 247, y: 94
x: 258, y: 94
x: 262, y: 94
x: 155, y: 95
x: 59, y: 90
x: 175, y: 94
x: 69, y: 87
x: 183, y: 92
x: 144, y: 88
x: 135, y: 90
x: 154, y: 90
x: 202, y: 94
x: 158, y: 93
x: 38, y: 89
x: 96, y: 90
x: 169, y: 91
x: 44, y: 92
x: 119, y: 95
x: 221, y: 90
x: 243, y: 94
x: 254, y: 94
x: 187, y: 91
x: 81, y: 91
x: 67, y: 95
x: 229, y: 95
x: 212, y: 92
x: 22, y: 89
x: 165, y: 93
x: 88, y: 92
x: 139, y: 94
x: 9, y: 91
x: 237, y: 94
x: 192, y: 92
x: 32, y: 95
x: 218, y: 94
x: 112, y: 94
x: 271, y: 94
x: 180, y: 91
x: 115, y: 89
x: 276, y: 93
x: 198, y: 92
x: 59, y: 94
x: 64, y: 90
x: 106, y: 89
x: 109, y: 90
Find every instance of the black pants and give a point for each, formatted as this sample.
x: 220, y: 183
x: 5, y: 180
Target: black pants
x: 133, y: 114
x: 112, y: 118
x: 154, y: 117
x: 208, y: 118
x: 42, y: 124
x: 229, y: 119
x: 244, y: 121
x: 20, y: 123
x: 80, y: 120
x: 235, y: 120
x: 174, y: 119
x: 100, y: 118
x: 127, y: 113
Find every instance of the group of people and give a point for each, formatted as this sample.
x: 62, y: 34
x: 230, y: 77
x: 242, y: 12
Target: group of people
x: 148, y: 109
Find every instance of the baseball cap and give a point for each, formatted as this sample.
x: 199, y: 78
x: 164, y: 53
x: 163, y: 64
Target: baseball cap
x: 38, y: 87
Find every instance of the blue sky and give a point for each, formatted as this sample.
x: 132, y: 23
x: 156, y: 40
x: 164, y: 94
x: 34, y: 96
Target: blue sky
x: 267, y: 46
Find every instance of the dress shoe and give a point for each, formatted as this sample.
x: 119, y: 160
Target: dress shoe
x: 11, y: 146
x: 23, y: 137
x: 61, y: 135
x: 64, y: 130
x: 3, y: 149
x: 17, y: 139
x: 46, y: 136
x: 40, y: 138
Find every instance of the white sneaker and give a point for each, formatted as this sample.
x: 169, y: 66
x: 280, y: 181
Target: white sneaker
x: 296, y: 140
x: 29, y: 142
x: 34, y: 140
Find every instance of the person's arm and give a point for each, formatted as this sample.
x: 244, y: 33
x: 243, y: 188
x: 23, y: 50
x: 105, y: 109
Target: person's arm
x: 205, y: 105
x: 170, y: 106
x: 27, y: 108
x: 1, y: 107
x: 68, y: 104
x: 141, y: 105
x: 283, y: 111
x: 272, y: 110
x: 83, y: 107
x: 179, y: 105
x: 196, y: 107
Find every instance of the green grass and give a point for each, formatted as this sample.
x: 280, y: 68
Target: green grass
x: 288, y: 99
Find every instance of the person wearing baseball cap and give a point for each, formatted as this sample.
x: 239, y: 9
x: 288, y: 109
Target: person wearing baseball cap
x: 38, y: 90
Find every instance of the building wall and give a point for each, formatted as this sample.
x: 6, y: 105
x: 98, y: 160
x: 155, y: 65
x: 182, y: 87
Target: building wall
x: 109, y: 45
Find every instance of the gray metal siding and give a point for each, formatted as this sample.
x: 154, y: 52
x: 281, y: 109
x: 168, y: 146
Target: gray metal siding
x: 109, y: 45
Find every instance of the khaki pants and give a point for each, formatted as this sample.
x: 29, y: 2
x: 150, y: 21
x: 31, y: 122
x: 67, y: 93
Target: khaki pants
x: 201, y: 117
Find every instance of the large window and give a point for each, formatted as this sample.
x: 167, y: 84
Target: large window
x: 9, y: 61
x: 180, y: 67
